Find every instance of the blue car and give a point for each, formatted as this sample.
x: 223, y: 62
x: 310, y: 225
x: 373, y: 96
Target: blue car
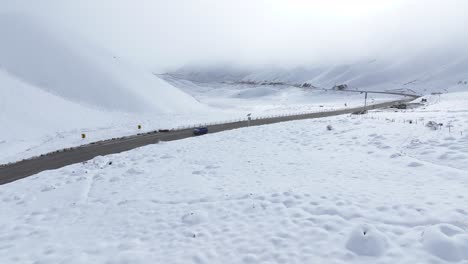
x: 200, y: 131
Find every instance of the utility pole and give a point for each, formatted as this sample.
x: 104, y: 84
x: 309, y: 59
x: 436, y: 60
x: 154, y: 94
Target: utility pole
x: 365, y: 103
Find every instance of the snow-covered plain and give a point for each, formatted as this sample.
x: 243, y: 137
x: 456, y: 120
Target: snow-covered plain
x: 374, y: 189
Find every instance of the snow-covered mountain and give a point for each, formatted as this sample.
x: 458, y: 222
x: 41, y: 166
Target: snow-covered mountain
x: 423, y: 73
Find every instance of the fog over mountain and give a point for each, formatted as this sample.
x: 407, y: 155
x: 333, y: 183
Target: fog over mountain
x: 166, y: 35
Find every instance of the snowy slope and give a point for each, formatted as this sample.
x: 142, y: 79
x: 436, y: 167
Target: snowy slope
x: 65, y: 65
x: 27, y: 110
x: 375, y: 189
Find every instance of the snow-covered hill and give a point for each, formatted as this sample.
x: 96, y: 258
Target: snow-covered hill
x: 65, y: 65
x: 26, y: 110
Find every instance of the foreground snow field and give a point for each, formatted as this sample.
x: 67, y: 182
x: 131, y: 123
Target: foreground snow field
x: 374, y: 189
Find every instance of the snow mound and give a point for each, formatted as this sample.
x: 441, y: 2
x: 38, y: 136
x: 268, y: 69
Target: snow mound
x: 194, y: 218
x: 447, y: 242
x: 366, y: 240
x: 62, y: 64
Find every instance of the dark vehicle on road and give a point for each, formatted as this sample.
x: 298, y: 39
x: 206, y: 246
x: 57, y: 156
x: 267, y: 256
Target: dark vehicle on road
x: 163, y: 130
x: 360, y: 112
x: 200, y: 131
x: 399, y: 106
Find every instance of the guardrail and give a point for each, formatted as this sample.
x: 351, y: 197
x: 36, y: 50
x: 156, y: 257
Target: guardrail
x: 328, y: 110
x: 256, y: 118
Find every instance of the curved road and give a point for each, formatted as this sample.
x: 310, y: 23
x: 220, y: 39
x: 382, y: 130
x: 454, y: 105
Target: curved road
x: 59, y: 159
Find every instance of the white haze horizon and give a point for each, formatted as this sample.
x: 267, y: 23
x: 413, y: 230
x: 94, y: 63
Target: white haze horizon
x: 165, y: 35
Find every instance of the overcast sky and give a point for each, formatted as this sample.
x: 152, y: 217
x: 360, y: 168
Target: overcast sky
x: 170, y: 33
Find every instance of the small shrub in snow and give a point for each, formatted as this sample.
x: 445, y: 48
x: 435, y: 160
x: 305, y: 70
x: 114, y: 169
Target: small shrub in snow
x: 329, y: 128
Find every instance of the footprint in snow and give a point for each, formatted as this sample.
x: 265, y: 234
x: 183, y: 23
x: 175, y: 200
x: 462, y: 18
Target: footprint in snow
x: 415, y: 164
x: 114, y: 179
x: 194, y: 218
x: 166, y: 156
x: 135, y: 171
x: 211, y: 167
x: 47, y: 188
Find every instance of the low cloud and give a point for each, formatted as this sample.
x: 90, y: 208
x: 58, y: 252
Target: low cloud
x: 167, y: 34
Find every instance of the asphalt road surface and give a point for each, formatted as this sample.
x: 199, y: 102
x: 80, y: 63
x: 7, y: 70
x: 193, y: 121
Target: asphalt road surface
x: 22, y: 169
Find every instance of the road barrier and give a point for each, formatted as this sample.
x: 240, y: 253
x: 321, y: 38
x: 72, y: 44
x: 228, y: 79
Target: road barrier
x: 295, y: 114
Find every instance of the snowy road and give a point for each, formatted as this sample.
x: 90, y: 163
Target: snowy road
x: 23, y: 169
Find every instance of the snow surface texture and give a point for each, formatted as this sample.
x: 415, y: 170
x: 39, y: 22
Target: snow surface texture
x: 294, y: 192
